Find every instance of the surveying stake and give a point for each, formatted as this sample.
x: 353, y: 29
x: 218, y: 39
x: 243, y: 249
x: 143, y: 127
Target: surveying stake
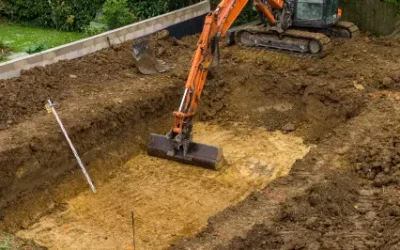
x: 51, y: 109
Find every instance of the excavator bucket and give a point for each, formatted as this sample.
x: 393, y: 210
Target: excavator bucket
x: 145, y: 59
x: 198, y: 154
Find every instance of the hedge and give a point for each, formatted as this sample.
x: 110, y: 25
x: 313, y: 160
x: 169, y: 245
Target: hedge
x: 249, y: 14
x: 60, y: 14
x: 76, y: 14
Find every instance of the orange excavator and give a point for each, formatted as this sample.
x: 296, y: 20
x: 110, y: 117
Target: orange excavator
x: 301, y: 26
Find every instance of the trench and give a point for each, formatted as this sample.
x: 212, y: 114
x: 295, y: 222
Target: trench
x: 170, y: 200
x: 263, y: 123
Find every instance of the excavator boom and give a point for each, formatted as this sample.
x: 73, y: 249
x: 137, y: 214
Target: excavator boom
x: 275, y: 33
x: 177, y: 144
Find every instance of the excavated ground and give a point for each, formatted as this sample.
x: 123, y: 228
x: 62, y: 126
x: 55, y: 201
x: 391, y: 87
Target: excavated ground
x: 328, y: 127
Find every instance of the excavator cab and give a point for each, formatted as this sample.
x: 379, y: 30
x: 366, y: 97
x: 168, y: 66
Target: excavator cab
x: 316, y: 13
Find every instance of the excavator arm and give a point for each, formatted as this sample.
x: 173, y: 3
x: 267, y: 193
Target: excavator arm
x: 178, y: 145
x: 216, y: 25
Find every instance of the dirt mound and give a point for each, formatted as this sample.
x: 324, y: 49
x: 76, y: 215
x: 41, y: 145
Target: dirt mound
x: 330, y: 215
x: 378, y: 159
x: 322, y: 210
x: 279, y: 94
x: 23, y: 97
x: 333, y: 197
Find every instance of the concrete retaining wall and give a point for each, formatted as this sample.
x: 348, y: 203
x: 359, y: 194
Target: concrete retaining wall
x: 92, y: 44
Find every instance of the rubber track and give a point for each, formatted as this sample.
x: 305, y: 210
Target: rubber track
x: 349, y: 26
x: 322, y: 39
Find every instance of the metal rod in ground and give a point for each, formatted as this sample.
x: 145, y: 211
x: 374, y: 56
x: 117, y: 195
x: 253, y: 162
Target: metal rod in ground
x: 133, y: 231
x: 51, y: 106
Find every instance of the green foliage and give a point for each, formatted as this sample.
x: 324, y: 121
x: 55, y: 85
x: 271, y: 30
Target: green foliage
x: 144, y: 9
x: 37, y: 48
x: 75, y: 15
x: 116, y: 14
x: 60, y: 14
x: 396, y: 2
x: 20, y: 37
x: 91, y: 31
x: 5, y: 243
x: 248, y: 14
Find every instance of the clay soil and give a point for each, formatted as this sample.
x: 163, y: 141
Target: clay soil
x: 312, y: 149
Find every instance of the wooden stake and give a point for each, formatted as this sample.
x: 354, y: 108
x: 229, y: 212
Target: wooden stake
x: 133, y: 230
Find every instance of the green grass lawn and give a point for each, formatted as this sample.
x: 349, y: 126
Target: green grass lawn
x: 20, y: 38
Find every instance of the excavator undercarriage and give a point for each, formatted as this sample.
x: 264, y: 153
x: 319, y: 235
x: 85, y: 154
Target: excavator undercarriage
x: 306, y: 41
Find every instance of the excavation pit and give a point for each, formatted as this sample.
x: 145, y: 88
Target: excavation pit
x: 274, y: 116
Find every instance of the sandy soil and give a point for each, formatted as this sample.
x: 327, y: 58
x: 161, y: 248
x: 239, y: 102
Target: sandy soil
x: 170, y: 200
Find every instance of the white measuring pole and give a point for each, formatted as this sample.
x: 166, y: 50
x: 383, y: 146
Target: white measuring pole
x: 53, y: 110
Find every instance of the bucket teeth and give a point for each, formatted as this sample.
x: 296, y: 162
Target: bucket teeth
x: 201, y: 155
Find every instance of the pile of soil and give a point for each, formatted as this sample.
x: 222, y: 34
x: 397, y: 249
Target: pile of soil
x: 379, y: 159
x: 330, y: 215
x: 23, y: 97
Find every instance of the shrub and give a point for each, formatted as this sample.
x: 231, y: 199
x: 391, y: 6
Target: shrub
x: 248, y: 14
x: 116, y: 14
x: 144, y: 9
x: 37, y: 48
x: 92, y: 30
x: 60, y: 14
x: 77, y: 14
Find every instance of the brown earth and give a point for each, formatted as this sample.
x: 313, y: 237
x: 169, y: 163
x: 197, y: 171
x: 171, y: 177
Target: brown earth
x: 328, y: 200
x: 322, y: 204
x: 344, y: 106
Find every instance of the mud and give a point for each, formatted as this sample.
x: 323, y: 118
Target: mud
x: 309, y: 144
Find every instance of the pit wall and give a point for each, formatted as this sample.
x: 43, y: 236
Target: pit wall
x: 186, y: 21
x: 377, y: 17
